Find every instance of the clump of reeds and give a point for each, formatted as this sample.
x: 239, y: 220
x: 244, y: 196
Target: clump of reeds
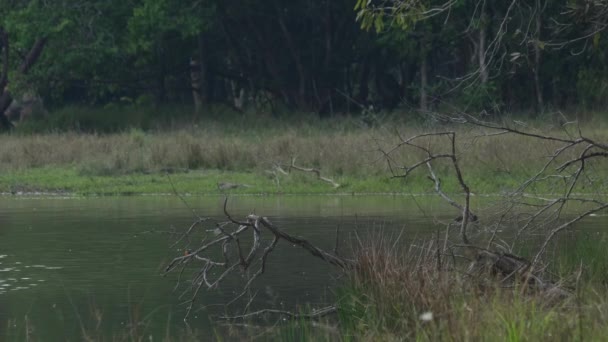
x: 408, y: 294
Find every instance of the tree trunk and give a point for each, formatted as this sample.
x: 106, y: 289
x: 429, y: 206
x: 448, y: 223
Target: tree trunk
x: 364, y: 82
x: 5, y: 96
x: 4, y: 49
x: 537, y: 84
x: 204, y: 67
x: 328, y: 36
x: 161, y: 87
x: 195, y: 83
x: 537, y: 60
x: 481, y: 51
x: 269, y: 62
x: 423, y: 83
x: 198, y: 77
x: 238, y: 96
x: 293, y: 48
x: 5, y: 102
x: 32, y: 55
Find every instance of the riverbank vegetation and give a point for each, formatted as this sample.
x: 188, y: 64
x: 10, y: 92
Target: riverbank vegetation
x: 400, y: 295
x: 400, y: 290
x: 252, y: 152
x: 487, y: 273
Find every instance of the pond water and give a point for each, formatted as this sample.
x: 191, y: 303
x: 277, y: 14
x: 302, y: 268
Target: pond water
x: 70, y: 266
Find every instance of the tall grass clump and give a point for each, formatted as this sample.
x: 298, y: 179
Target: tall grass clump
x: 586, y: 250
x: 398, y: 294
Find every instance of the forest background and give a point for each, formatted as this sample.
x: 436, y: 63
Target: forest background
x: 282, y: 58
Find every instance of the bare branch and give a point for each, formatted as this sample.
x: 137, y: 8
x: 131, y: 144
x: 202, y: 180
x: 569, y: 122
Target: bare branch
x: 467, y: 216
x: 313, y: 170
x: 230, y: 238
x: 315, y: 314
x: 443, y: 195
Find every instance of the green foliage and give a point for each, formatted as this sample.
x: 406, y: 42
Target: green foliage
x: 155, y: 21
x: 592, y: 85
x: 480, y: 97
x: 311, y: 57
x: 402, y: 14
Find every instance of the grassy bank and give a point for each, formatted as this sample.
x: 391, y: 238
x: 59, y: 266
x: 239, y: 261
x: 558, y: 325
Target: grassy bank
x: 401, y: 295
x: 246, y: 151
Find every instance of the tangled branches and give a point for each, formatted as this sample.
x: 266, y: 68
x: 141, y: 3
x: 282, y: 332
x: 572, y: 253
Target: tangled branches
x: 243, y: 247
x: 569, y: 164
x: 402, y: 171
x: 227, y: 240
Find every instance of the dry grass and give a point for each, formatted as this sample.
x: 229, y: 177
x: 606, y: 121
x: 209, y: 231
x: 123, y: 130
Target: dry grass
x: 338, y: 151
x: 399, y: 295
x: 138, y: 151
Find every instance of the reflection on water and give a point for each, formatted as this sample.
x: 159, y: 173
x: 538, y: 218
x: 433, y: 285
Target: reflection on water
x: 15, y: 276
x: 70, y: 265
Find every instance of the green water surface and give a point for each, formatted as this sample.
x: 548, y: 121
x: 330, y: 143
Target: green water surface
x: 92, y: 266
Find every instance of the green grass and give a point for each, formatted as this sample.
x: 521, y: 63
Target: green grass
x: 58, y: 180
x: 583, y: 249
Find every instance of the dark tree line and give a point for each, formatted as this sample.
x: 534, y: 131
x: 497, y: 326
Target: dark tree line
x: 323, y: 56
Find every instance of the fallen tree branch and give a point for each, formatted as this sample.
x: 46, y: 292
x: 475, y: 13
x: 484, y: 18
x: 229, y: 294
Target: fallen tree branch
x: 466, y: 216
x: 315, y: 251
x: 558, y: 229
x: 547, y: 213
x: 261, y: 237
x: 205, y: 261
x: 313, y: 315
x: 447, y: 198
x: 317, y: 172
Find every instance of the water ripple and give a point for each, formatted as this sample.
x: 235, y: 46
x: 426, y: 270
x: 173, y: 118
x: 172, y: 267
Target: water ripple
x: 29, y: 275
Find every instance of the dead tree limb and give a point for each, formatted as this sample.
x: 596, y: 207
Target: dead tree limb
x: 213, y: 262
x: 314, y: 314
x: 568, y: 162
x: 317, y: 172
x: 406, y: 170
x: 279, y: 169
x: 230, y: 233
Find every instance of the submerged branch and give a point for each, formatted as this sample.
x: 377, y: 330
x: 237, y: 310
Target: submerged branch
x: 314, y: 314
